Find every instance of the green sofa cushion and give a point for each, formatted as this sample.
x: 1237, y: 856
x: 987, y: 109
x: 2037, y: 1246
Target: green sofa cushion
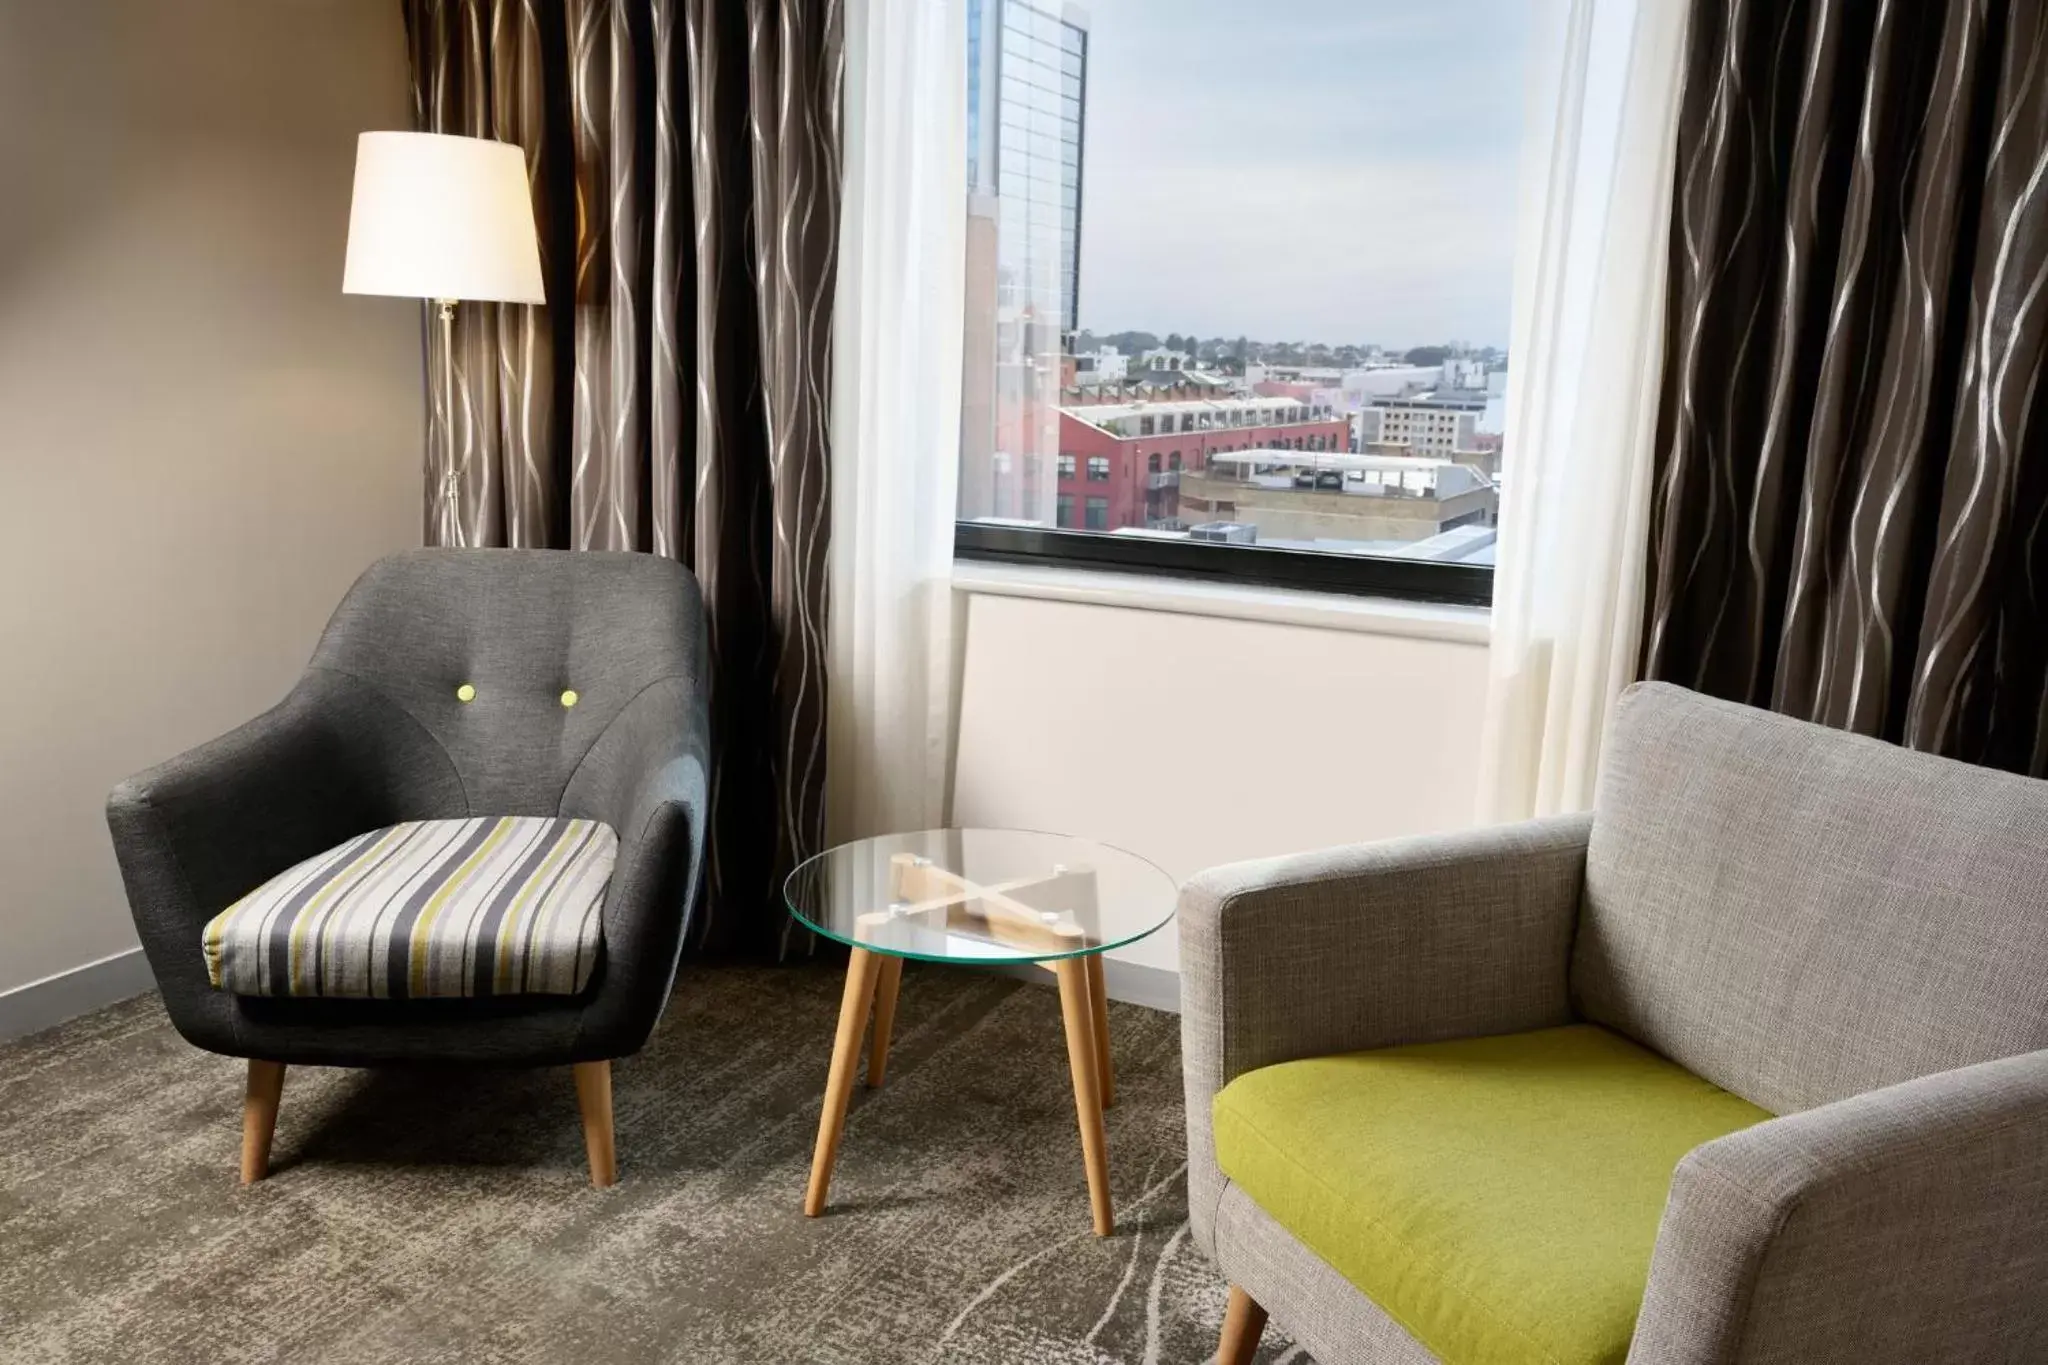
x: 1497, y: 1197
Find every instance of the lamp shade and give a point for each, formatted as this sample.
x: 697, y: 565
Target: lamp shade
x: 438, y: 217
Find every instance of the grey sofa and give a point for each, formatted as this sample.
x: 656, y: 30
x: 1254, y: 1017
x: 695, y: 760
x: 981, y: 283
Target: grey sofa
x: 375, y: 733
x: 1851, y: 936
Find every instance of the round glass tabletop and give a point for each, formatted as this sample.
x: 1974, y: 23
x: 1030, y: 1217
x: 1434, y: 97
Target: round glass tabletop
x: 980, y: 895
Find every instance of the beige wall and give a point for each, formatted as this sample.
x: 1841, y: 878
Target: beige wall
x: 1193, y: 740
x: 201, y: 440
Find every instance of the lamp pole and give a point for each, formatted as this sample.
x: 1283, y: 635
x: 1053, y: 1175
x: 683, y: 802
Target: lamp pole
x: 452, y: 475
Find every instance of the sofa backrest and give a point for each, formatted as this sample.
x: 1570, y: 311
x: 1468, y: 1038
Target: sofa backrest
x: 519, y: 628
x: 1798, y: 914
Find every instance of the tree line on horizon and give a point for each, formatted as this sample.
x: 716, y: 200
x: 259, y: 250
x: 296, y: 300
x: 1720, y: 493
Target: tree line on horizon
x: 1240, y: 351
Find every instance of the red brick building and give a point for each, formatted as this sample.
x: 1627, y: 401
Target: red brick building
x: 1120, y: 461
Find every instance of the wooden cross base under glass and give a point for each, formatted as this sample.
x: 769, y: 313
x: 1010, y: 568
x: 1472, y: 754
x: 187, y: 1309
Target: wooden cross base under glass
x: 980, y: 897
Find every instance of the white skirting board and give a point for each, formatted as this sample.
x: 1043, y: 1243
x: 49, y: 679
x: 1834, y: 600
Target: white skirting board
x: 50, y: 1001
x: 1132, y: 982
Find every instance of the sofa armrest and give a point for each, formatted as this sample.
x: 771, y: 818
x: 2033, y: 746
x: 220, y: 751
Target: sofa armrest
x: 1410, y: 940
x: 1905, y: 1224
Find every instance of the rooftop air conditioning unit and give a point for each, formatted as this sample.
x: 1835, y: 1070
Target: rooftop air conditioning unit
x: 1225, y: 533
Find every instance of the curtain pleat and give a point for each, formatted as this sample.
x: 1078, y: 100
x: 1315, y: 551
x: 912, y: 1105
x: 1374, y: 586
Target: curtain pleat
x: 1850, y: 485
x: 1592, y: 214
x: 671, y: 396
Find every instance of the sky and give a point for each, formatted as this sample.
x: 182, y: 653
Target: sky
x: 1315, y: 170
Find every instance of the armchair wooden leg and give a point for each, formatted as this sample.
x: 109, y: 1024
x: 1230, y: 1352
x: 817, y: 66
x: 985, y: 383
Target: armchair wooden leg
x: 259, y: 1117
x: 594, y: 1098
x: 888, y: 977
x: 1243, y: 1323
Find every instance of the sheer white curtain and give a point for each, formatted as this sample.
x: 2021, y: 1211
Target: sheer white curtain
x: 896, y: 339
x: 1593, y: 214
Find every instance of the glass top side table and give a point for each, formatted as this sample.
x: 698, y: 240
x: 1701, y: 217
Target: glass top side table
x: 977, y: 896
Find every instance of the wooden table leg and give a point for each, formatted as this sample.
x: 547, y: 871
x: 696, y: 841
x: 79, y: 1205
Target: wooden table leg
x: 1079, y: 1014
x: 1098, y: 999
x: 887, y: 979
x: 862, y: 969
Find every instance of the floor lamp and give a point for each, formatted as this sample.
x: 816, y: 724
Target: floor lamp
x: 447, y: 219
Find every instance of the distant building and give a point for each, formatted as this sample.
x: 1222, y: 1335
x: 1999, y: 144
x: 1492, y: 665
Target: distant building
x: 1104, y: 366
x: 1370, y: 503
x: 1284, y: 388
x: 1430, y: 424
x: 1027, y: 85
x: 1290, y: 374
x: 1494, y: 421
x: 1166, y: 384
x: 1121, y: 464
x: 1464, y: 372
x: 1160, y: 358
x: 1027, y: 95
x: 1390, y: 381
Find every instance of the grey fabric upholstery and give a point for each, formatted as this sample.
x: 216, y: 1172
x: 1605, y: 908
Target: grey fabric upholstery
x: 1408, y: 941
x: 374, y: 734
x: 1818, y: 922
x: 1907, y: 1224
x: 1799, y: 914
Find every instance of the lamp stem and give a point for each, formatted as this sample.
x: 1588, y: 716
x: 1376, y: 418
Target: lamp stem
x: 452, y: 488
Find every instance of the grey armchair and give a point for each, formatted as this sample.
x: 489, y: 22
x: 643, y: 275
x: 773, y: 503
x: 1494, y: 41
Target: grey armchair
x: 448, y: 684
x: 1818, y: 966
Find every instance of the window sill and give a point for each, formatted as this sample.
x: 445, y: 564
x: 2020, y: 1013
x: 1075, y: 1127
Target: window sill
x: 1280, y: 606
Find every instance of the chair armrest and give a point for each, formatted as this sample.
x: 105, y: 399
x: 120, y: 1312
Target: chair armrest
x: 1906, y: 1224
x: 1410, y: 940
x: 647, y: 777
x: 194, y: 834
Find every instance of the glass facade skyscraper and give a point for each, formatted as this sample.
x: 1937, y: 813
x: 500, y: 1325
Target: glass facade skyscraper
x: 1027, y: 81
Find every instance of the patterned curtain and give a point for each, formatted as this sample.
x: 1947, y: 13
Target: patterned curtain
x: 1852, y: 468
x: 671, y: 397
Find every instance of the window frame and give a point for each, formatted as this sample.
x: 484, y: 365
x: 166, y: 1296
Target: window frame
x: 1411, y: 580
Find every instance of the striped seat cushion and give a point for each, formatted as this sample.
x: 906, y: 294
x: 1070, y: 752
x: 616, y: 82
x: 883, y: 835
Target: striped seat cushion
x: 493, y: 905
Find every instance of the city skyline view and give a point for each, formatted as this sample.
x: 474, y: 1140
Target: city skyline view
x: 1122, y: 176
x: 1384, y: 138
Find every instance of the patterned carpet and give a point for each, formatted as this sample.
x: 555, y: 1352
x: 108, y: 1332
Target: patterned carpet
x: 444, y: 1216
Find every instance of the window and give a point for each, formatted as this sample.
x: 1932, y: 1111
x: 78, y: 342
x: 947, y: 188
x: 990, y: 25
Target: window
x: 1300, y: 321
